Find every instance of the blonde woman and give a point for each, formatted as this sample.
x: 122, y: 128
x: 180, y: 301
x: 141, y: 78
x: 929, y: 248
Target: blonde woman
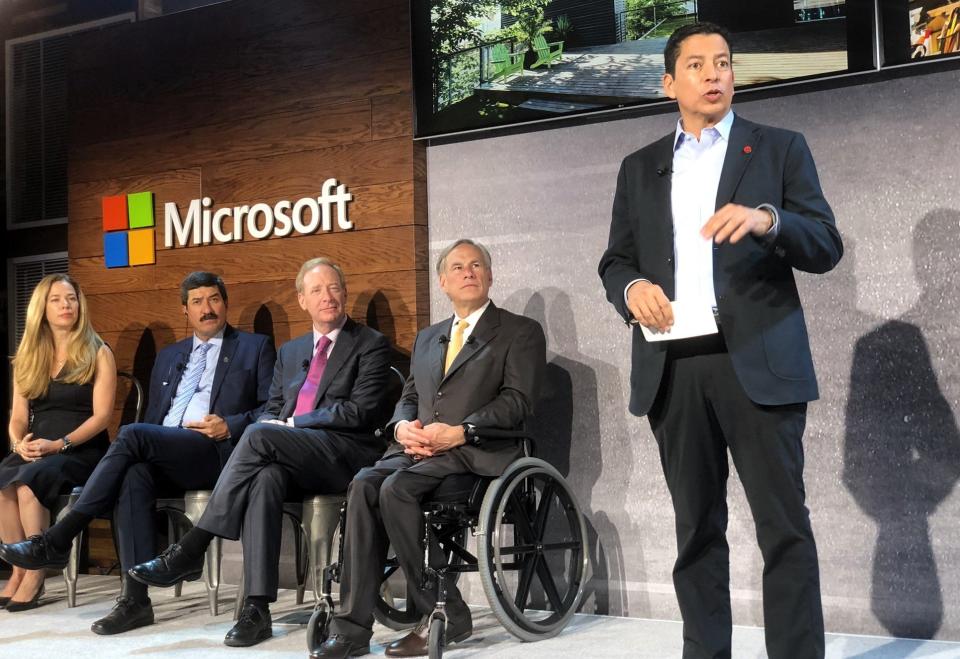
x: 64, y: 382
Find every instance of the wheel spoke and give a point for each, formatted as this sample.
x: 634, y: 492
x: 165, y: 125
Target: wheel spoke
x: 554, y: 546
x: 517, y: 549
x: 543, y: 512
x: 526, y: 578
x: 549, y: 587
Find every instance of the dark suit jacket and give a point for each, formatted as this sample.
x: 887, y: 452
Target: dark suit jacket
x: 241, y: 382
x: 351, y: 399
x: 492, y: 383
x: 756, y: 293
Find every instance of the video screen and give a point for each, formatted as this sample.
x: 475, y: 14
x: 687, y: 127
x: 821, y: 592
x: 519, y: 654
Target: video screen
x: 934, y: 28
x: 484, y: 64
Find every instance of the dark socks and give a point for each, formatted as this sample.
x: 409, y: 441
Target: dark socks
x: 195, y: 542
x: 61, y: 534
x: 134, y: 590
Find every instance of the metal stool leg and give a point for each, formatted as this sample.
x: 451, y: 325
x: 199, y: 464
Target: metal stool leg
x: 321, y: 515
x: 195, y: 502
x: 71, y: 571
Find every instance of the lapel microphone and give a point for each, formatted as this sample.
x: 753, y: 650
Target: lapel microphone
x: 305, y: 364
x: 664, y: 171
x: 469, y: 340
x: 443, y: 338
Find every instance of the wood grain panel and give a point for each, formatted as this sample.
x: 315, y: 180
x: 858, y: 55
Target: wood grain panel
x: 392, y: 116
x: 249, y: 138
x: 370, y: 297
x: 293, y: 175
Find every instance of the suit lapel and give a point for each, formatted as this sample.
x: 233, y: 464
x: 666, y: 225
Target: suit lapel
x: 303, y: 352
x: 437, y: 352
x: 485, y: 330
x: 342, y: 349
x: 744, y: 139
x: 227, y: 349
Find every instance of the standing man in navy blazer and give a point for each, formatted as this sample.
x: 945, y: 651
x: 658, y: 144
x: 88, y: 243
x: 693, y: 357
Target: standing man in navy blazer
x: 327, y: 399
x: 204, y: 391
x: 719, y: 214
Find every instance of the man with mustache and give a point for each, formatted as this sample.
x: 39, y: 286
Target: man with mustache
x: 317, y: 430
x: 715, y: 217
x: 204, y: 392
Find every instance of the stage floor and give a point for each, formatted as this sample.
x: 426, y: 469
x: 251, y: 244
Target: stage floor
x: 186, y: 629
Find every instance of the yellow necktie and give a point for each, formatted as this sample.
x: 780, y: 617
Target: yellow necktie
x: 456, y: 343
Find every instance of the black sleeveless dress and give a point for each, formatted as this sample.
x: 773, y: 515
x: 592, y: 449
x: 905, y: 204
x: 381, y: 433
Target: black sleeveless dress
x: 60, y: 412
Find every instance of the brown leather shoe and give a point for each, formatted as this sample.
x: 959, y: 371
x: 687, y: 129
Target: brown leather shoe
x: 416, y: 643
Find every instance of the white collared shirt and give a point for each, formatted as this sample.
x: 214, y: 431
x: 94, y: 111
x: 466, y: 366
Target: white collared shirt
x: 693, y: 200
x: 472, y: 319
x: 332, y: 335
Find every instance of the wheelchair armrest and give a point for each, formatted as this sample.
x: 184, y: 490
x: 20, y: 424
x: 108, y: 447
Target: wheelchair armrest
x: 521, y: 437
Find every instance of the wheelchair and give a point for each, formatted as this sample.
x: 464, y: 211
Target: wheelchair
x: 531, y: 545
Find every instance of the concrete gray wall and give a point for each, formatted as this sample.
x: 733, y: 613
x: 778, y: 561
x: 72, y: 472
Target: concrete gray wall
x: 882, y: 445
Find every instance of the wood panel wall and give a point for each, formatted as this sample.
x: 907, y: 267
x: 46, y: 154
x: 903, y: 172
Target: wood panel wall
x: 248, y: 102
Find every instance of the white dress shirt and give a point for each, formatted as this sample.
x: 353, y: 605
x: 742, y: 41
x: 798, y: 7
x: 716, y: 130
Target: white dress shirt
x: 199, y: 405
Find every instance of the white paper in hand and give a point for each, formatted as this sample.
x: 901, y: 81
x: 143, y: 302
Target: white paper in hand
x: 690, y: 319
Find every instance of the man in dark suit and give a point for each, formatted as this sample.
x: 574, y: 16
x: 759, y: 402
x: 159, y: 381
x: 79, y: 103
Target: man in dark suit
x: 317, y: 430
x: 718, y: 214
x: 481, y: 368
x: 204, y: 391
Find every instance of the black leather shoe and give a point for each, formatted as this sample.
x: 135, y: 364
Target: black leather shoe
x: 169, y: 568
x: 34, y: 553
x: 3, y: 601
x: 339, y: 646
x: 416, y: 643
x: 253, y: 626
x: 13, y: 605
x: 127, y: 614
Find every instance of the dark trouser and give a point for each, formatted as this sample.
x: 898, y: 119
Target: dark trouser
x: 250, y: 492
x: 383, y: 508
x: 144, y: 459
x: 700, y: 413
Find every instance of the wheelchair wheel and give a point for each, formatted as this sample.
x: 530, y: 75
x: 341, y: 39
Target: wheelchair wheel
x: 393, y: 609
x: 435, y: 640
x: 318, y: 629
x: 532, y: 550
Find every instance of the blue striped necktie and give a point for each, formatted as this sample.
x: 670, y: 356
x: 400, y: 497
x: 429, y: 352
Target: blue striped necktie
x: 188, y: 386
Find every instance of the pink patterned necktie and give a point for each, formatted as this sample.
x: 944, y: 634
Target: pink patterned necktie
x: 308, y: 392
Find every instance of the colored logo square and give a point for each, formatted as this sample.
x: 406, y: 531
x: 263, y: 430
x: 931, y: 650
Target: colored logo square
x: 140, y: 209
x: 140, y: 245
x: 115, y: 213
x: 115, y: 254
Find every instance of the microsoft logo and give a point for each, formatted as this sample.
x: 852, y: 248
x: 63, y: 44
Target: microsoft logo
x: 128, y: 230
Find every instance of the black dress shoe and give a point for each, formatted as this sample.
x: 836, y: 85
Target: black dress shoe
x: 34, y: 553
x: 253, y: 626
x: 417, y: 642
x: 13, y: 605
x: 169, y: 568
x: 127, y: 614
x: 339, y: 646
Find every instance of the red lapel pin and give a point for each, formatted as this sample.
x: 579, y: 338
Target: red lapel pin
x: 748, y: 149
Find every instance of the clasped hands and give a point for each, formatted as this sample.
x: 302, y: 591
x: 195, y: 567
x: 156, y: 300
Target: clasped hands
x: 648, y: 303
x: 425, y: 441
x: 212, y: 426
x: 32, y: 450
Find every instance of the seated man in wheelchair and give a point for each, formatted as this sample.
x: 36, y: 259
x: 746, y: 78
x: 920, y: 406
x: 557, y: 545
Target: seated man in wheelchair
x: 481, y: 368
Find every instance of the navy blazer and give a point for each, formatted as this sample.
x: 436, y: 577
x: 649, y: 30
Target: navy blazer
x: 350, y: 403
x: 757, y: 297
x: 241, y: 383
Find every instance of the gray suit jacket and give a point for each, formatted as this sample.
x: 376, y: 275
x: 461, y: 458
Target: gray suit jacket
x: 492, y: 383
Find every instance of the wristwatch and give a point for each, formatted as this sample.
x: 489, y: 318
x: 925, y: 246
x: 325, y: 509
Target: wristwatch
x: 470, y: 434
x: 66, y: 444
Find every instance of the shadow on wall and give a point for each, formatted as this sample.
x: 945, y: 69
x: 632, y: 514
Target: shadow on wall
x: 149, y: 341
x: 902, y: 445
x: 567, y: 426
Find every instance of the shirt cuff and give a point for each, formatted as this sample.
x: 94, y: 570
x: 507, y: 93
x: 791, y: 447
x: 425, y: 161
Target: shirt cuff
x: 627, y: 288
x: 290, y: 422
x: 774, y: 230
x: 396, y: 427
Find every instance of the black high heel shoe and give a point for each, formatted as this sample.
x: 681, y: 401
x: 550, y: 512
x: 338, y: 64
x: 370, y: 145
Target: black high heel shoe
x: 13, y: 606
x: 4, y: 601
